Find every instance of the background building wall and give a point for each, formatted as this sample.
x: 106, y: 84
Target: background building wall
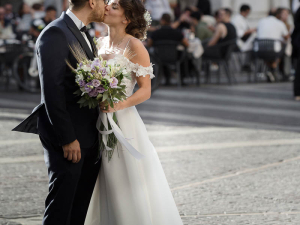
x: 260, y: 8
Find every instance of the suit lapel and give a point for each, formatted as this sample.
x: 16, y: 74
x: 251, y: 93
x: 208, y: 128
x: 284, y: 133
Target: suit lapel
x: 78, y: 35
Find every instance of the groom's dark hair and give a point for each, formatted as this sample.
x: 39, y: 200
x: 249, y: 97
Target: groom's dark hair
x: 77, y: 4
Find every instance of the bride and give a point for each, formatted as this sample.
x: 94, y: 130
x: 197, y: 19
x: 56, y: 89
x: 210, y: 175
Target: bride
x: 131, y: 191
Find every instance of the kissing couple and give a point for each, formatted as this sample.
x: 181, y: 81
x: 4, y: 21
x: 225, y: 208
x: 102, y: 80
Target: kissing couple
x: 85, y: 188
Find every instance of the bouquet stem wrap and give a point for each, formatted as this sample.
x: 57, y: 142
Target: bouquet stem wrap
x: 106, y: 119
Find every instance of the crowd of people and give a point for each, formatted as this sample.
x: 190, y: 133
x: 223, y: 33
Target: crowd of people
x: 195, y: 17
x: 29, y: 21
x: 189, y: 22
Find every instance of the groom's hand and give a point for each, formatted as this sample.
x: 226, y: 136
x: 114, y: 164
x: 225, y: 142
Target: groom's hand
x: 72, y: 151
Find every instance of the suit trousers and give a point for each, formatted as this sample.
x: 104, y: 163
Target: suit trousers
x: 71, y: 185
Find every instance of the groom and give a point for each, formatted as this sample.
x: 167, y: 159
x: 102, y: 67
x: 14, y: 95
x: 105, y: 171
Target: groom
x: 68, y: 133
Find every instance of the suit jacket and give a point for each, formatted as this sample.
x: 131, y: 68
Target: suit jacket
x: 59, y: 118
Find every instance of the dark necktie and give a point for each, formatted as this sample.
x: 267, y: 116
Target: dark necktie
x: 86, y: 31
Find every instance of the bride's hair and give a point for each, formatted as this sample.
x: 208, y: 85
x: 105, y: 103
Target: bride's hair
x: 134, y: 12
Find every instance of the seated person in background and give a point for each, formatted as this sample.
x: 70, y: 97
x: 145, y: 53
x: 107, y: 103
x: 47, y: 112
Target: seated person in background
x: 6, y: 31
x: 10, y: 16
x: 241, y: 24
x: 201, y: 30
x: 24, y: 20
x: 225, y: 31
x: 217, y: 21
x: 274, y: 29
x: 39, y: 24
x: 38, y: 11
x: 184, y: 22
x: 245, y: 37
x: 167, y: 33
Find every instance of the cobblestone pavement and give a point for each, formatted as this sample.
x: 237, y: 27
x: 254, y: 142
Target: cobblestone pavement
x: 231, y: 155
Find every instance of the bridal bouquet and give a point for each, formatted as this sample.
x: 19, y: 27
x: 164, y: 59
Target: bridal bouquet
x: 99, y: 80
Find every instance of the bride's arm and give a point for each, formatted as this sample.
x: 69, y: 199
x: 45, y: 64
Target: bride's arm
x: 144, y: 92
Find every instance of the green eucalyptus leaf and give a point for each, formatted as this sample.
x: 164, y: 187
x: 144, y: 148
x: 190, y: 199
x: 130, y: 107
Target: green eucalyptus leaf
x: 105, y: 96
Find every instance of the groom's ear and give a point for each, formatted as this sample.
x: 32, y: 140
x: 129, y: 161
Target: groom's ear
x: 93, y: 3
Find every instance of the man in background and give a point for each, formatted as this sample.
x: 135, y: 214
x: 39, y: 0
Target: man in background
x: 167, y: 33
x: 6, y: 30
x: 201, y: 29
x: 273, y: 29
x: 39, y: 24
x: 38, y: 11
x: 10, y: 16
x: 241, y: 24
x: 225, y: 31
x: 60, y: 5
x: 245, y: 35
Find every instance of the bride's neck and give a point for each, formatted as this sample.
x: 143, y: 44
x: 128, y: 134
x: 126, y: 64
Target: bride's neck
x: 116, y: 34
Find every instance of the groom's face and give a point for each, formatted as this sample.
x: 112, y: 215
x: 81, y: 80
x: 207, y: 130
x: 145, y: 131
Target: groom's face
x: 98, y: 11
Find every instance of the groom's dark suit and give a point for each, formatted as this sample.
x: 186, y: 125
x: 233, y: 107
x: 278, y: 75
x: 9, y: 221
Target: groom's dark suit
x: 59, y: 121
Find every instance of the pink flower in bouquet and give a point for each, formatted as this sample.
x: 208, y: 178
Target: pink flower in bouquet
x: 87, y: 87
x: 100, y: 89
x: 93, y: 93
x: 96, y: 63
x: 81, y: 83
x: 114, y: 83
x: 96, y: 83
x: 103, y: 71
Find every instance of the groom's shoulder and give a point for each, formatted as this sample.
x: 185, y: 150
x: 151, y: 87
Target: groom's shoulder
x: 57, y: 26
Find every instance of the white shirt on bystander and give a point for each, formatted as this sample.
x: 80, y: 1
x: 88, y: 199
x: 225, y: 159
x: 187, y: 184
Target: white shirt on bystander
x: 271, y: 28
x: 241, y: 25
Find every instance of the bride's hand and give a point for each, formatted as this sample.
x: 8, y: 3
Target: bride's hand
x: 108, y: 109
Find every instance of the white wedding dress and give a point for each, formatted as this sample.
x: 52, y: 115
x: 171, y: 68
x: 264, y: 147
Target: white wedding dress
x: 129, y: 191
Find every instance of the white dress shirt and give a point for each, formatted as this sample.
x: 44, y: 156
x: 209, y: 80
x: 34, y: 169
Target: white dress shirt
x: 241, y: 24
x: 80, y: 25
x: 271, y: 28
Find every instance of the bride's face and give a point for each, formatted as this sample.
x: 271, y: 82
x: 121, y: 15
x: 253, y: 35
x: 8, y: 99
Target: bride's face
x: 114, y: 14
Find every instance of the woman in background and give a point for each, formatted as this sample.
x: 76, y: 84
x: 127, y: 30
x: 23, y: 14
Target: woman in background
x: 24, y: 20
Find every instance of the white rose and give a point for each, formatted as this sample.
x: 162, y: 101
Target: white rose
x: 106, y: 77
x: 86, y: 68
x: 79, y: 77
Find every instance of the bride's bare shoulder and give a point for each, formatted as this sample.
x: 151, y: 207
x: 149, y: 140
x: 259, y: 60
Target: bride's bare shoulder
x: 141, y: 54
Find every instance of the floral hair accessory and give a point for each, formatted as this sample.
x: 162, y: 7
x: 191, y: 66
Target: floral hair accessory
x: 148, y: 19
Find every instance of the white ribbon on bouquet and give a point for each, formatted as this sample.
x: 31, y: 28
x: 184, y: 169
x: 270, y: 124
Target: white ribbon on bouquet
x: 102, y: 119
